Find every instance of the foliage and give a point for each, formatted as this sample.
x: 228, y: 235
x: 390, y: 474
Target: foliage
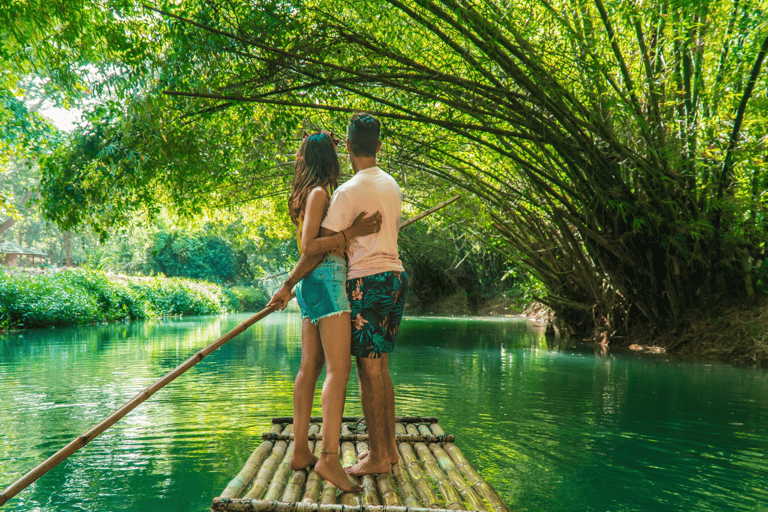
x: 618, y: 149
x: 84, y: 297
x: 441, y: 258
x: 611, y: 142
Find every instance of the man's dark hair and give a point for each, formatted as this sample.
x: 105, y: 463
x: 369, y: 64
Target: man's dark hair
x: 363, y: 134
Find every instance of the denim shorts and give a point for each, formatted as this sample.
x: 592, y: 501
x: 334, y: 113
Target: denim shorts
x: 323, y: 293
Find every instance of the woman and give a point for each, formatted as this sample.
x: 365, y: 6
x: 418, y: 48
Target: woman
x: 326, y: 325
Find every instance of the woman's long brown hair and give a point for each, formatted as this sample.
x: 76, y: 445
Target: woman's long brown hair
x: 316, y: 165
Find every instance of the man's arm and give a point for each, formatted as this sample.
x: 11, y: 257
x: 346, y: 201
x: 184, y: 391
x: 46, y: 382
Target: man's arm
x: 305, y: 265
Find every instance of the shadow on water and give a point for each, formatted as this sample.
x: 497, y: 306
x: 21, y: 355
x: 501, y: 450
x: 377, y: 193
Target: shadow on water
x: 551, y: 425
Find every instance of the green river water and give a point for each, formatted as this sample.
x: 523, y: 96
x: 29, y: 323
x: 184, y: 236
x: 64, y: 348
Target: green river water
x: 551, y: 427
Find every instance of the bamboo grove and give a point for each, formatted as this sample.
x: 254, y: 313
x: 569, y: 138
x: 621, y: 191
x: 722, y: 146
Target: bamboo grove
x: 618, y: 147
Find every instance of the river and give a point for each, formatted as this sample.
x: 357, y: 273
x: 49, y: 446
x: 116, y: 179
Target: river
x: 553, y: 427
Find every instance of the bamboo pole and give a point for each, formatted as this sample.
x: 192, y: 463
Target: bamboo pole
x: 314, y: 482
x: 424, y: 489
x: 388, y: 490
x: 408, y: 491
x: 268, y: 469
x: 470, y: 496
x: 299, y: 477
x: 348, y: 458
x: 237, y: 486
x: 431, y: 210
x: 402, y: 438
x: 246, y: 505
x: 55, y: 459
x: 449, y: 495
x: 368, y: 495
x: 473, y: 477
x: 277, y: 486
x: 355, y: 419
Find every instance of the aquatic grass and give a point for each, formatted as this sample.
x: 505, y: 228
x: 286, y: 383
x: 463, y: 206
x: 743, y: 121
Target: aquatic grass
x: 88, y: 296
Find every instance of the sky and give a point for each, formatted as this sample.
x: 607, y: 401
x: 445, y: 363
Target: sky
x: 63, y: 119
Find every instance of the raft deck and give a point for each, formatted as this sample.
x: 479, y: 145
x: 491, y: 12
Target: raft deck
x: 433, y: 475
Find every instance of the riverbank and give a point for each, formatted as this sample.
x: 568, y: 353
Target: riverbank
x: 733, y: 333
x: 39, y: 298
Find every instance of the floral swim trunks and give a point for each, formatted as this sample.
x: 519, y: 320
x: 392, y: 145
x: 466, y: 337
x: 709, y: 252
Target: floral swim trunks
x: 377, y: 303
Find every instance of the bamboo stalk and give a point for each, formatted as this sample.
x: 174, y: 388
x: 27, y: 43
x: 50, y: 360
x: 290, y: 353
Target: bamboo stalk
x: 349, y: 457
x: 470, y: 496
x: 431, y: 210
x: 424, y: 489
x: 268, y: 469
x: 299, y: 477
x: 348, y: 454
x: 355, y: 419
x: 408, y: 491
x: 55, y: 459
x: 473, y: 477
x: 328, y: 497
x: 388, y: 490
x: 247, y: 505
x: 401, y: 438
x: 277, y: 486
x: 368, y: 495
x: 447, y: 491
x: 314, y: 482
x: 237, y: 486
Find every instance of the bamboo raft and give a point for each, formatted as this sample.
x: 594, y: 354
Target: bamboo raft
x: 433, y: 475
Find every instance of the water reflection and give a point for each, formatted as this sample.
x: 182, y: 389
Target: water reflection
x: 550, y: 425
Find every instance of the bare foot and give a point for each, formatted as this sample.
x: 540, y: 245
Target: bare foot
x: 392, y: 459
x: 329, y: 468
x: 302, y: 460
x: 369, y: 467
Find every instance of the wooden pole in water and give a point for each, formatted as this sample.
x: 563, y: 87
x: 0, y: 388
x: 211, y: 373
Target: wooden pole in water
x: 20, y: 484
x: 55, y: 459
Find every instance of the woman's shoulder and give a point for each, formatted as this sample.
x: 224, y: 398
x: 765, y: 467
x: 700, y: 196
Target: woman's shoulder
x: 318, y: 192
x: 318, y: 195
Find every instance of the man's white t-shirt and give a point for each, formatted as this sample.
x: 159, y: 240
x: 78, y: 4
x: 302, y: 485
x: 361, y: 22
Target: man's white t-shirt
x: 369, y: 190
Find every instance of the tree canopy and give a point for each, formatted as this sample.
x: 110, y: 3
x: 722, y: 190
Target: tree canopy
x: 618, y: 148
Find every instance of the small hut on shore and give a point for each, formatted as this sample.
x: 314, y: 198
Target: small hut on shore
x: 14, y: 255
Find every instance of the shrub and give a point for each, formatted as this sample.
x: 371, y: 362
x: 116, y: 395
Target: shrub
x: 250, y: 298
x: 82, y: 297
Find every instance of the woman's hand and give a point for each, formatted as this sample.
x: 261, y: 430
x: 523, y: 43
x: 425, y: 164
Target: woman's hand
x: 364, y: 225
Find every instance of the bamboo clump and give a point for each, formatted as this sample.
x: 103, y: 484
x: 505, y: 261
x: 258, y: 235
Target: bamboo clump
x: 432, y: 475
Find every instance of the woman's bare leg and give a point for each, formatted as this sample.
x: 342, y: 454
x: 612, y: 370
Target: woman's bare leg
x: 335, y: 335
x: 312, y: 360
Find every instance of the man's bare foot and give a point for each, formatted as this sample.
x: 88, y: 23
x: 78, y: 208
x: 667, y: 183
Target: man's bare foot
x: 392, y: 460
x: 369, y: 467
x: 329, y: 468
x: 301, y: 460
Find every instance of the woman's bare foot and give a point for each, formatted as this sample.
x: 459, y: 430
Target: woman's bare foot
x: 302, y: 459
x: 369, y: 467
x: 329, y: 468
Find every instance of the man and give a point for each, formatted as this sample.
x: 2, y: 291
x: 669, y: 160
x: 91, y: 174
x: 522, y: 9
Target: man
x: 376, y: 286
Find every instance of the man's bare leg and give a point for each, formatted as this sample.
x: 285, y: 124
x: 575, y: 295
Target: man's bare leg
x: 389, y: 414
x: 389, y: 410
x: 312, y: 361
x: 335, y: 336
x: 373, y: 398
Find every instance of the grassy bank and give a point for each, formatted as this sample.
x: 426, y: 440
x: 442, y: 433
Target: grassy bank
x: 79, y: 296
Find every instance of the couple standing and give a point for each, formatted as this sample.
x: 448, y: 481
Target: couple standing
x: 350, y: 285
